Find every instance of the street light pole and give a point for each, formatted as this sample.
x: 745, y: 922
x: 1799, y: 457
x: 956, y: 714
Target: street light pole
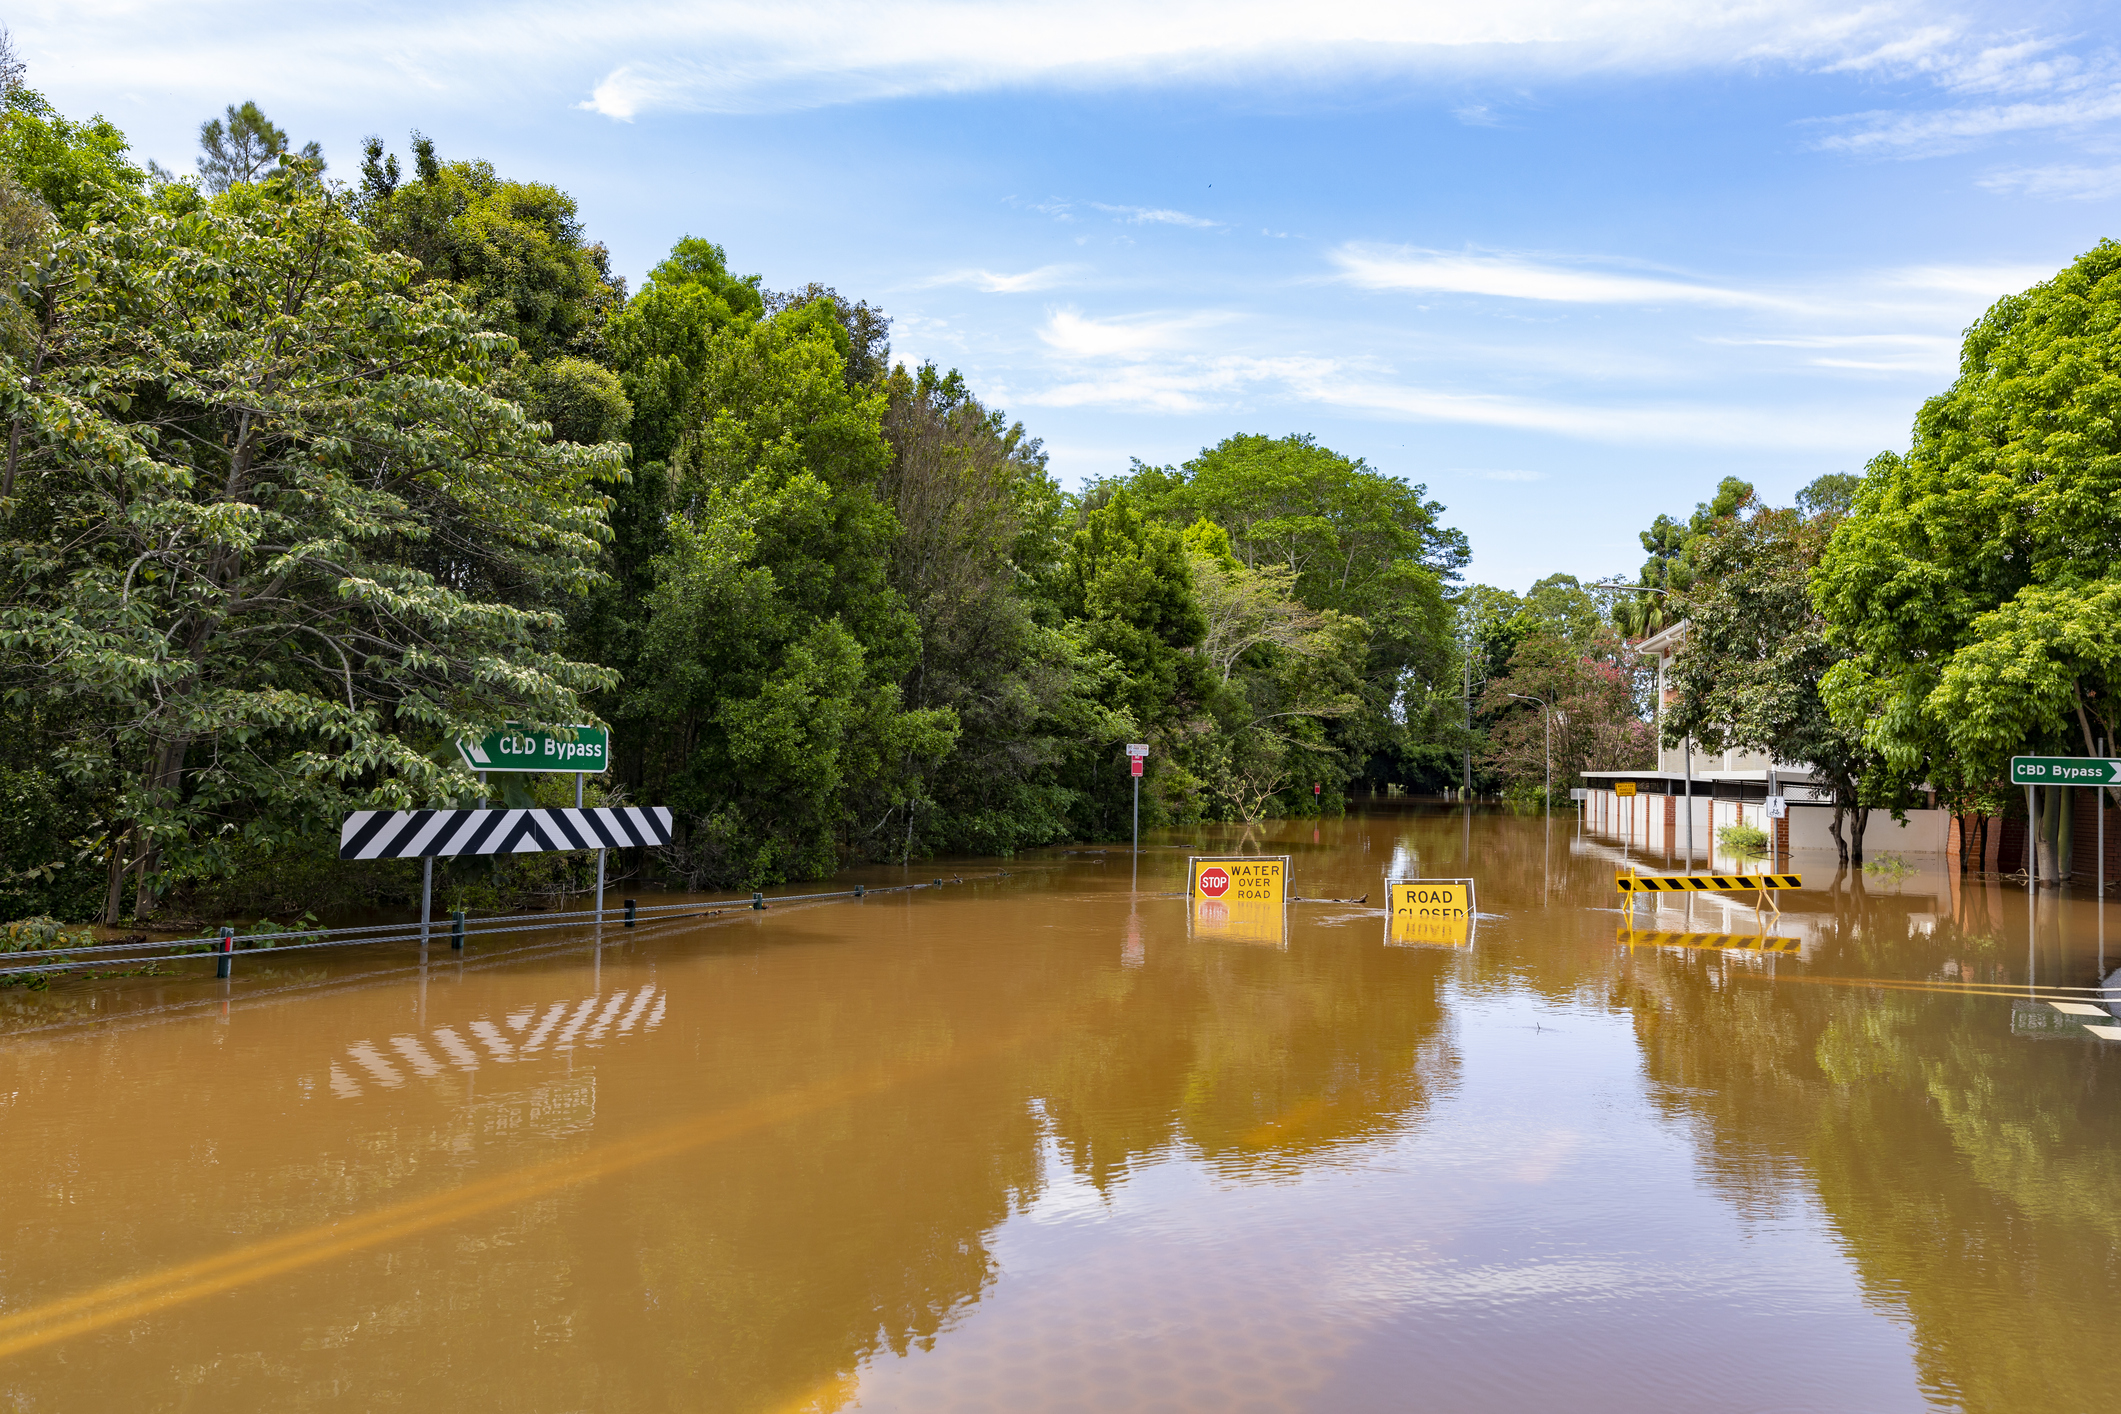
x: 1547, y: 722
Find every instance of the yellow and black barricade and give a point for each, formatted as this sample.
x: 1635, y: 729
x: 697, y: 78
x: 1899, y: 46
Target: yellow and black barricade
x: 1705, y: 883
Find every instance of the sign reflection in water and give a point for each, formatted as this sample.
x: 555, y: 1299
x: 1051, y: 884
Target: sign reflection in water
x: 521, y: 1036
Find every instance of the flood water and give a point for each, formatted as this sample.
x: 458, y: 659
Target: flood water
x: 1036, y: 1143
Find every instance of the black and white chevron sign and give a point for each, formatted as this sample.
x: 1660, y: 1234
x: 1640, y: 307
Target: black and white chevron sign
x: 418, y: 834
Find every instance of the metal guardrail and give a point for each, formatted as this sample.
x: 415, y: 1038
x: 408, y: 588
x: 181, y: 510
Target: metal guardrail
x: 458, y: 930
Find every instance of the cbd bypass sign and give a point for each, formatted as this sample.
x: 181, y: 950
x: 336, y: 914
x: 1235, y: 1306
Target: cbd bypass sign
x: 1251, y: 879
x: 515, y: 749
x: 2065, y: 771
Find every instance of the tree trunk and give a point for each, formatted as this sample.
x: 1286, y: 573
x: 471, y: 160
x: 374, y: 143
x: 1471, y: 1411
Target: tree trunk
x: 2065, y: 835
x: 114, y: 896
x: 1841, y: 845
x: 1859, y: 818
x: 2043, y: 825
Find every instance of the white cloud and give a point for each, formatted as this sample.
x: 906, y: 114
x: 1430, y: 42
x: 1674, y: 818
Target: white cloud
x: 1407, y: 268
x: 1922, y: 294
x: 1045, y: 277
x: 749, y: 56
x: 1074, y: 335
x: 1927, y: 134
x: 1156, y: 216
x: 2064, y: 181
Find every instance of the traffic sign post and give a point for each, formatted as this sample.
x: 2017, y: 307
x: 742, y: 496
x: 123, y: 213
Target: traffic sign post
x: 2031, y: 771
x: 1137, y: 753
x: 513, y: 749
x: 2065, y: 771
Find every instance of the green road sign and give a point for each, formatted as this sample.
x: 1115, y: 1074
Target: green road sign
x: 2065, y: 771
x: 514, y: 749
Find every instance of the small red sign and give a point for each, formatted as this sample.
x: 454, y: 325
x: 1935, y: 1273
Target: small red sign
x: 1214, y: 882
x: 1136, y: 763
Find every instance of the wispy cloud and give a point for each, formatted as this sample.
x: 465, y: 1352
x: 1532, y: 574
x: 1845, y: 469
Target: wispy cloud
x: 1230, y: 382
x: 1156, y: 216
x: 1504, y: 276
x: 754, y: 56
x: 1927, y: 134
x: 1074, y: 335
x: 1045, y: 277
x: 1917, y: 293
x: 2063, y: 181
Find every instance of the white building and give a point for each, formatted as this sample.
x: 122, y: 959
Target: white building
x: 1716, y: 790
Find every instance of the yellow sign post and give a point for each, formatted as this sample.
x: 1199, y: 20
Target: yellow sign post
x: 1433, y: 911
x: 1247, y: 879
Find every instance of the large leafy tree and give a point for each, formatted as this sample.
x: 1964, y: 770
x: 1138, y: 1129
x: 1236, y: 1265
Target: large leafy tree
x: 1670, y: 569
x: 980, y: 518
x: 1748, y: 674
x: 764, y: 696
x: 1976, y: 583
x: 271, y: 545
x: 1352, y: 539
x: 516, y: 250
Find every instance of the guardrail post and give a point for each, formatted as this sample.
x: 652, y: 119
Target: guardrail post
x: 226, y: 964
x: 629, y: 913
x: 456, y: 930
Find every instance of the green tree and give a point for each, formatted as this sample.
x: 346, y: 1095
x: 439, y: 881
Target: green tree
x: 243, y: 146
x: 78, y: 170
x: 1353, y: 540
x: 764, y: 694
x: 1748, y: 672
x: 516, y: 249
x: 979, y: 519
x: 1670, y: 567
x: 271, y: 545
x: 1975, y: 583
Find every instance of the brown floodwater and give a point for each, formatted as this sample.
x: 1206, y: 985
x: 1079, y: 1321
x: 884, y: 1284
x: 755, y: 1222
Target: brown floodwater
x: 1042, y: 1142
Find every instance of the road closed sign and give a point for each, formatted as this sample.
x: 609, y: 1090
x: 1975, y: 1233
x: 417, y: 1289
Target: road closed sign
x: 1248, y: 879
x: 1436, y: 912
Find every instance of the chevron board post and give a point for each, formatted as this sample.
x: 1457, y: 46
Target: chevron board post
x: 429, y: 834
x: 1705, y: 883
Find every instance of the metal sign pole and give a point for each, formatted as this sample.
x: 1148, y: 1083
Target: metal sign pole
x: 427, y: 894
x: 1690, y: 804
x: 1137, y: 760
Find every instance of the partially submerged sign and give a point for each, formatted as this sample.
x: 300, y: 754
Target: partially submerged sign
x: 1240, y: 879
x: 514, y: 749
x: 1430, y: 898
x: 2065, y: 771
x: 1437, y: 912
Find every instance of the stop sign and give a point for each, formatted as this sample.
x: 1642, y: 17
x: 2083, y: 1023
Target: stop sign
x: 1214, y: 882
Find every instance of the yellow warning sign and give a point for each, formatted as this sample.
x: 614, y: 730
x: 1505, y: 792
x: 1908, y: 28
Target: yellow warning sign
x: 1704, y: 883
x: 1636, y: 937
x: 1255, y: 878
x: 1430, y: 898
x: 1623, y: 788
x: 1249, y: 922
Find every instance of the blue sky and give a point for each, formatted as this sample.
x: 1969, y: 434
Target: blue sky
x: 1567, y: 264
